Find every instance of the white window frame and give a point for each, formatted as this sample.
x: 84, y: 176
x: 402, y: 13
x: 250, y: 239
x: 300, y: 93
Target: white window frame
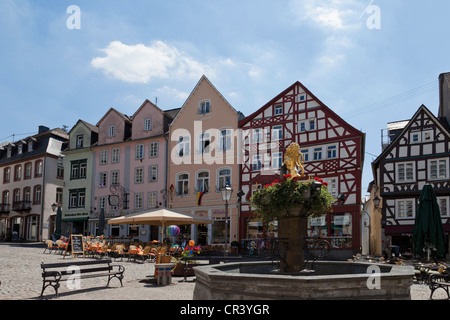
x: 202, y: 184
x: 153, y: 149
x: 184, y: 145
x: 111, y: 131
x: 277, y: 160
x: 278, y: 109
x: 257, y: 135
x: 115, y: 177
x: 256, y: 162
x: 333, y: 186
x: 335, y: 152
x: 204, y: 107
x: 301, y: 97
x: 402, y: 204
x: 317, y: 153
x: 152, y: 199
x: 152, y: 173
x: 185, y: 184
x: 138, y: 201
x: 277, y: 132
x: 104, y: 156
x: 224, y: 143
x: 140, y: 151
x: 139, y: 175
x: 414, y: 134
x: 305, y: 153
x: 446, y: 200
x: 204, y: 147
x: 438, y: 169
x: 115, y: 155
x: 102, y: 179
x: 147, y: 124
x: 402, y: 166
x: 222, y: 177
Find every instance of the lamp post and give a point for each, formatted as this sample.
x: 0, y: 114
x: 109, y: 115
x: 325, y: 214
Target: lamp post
x: 226, y: 196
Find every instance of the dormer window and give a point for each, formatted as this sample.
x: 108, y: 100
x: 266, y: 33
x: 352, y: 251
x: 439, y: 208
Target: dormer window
x: 19, y: 148
x: 148, y: 124
x: 30, y: 146
x: 111, y: 131
x: 204, y: 107
x: 8, y: 152
x: 80, y: 140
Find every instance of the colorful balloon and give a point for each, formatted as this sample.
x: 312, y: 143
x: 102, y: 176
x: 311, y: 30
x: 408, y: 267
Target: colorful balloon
x: 173, y: 231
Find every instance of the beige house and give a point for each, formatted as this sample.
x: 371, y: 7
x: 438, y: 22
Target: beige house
x: 203, y: 157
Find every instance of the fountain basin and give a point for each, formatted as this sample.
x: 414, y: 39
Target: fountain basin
x: 330, y: 280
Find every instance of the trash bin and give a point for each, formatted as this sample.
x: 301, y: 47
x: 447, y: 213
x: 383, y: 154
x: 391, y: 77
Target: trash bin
x: 163, y: 273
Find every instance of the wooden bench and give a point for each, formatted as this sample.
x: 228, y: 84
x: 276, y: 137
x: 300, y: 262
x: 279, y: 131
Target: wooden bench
x: 53, y: 273
x: 439, y: 281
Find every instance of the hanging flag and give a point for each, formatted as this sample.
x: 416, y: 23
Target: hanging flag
x: 199, y: 198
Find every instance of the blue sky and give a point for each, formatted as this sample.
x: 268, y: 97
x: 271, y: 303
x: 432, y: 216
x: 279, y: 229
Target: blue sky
x: 129, y: 51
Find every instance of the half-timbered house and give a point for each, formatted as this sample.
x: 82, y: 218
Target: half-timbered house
x: 333, y: 150
x: 418, y: 153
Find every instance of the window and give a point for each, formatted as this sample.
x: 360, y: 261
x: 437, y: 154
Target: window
x: 341, y: 230
x: 415, y: 137
x: 17, y: 173
x: 5, y: 198
x: 405, y: 208
x: 182, y: 184
x: 152, y: 200
x: 438, y: 169
x: 307, y: 125
x: 277, y: 132
x: 30, y: 146
x: 152, y: 173
x: 205, y: 141
x: 59, y: 195
x: 6, y: 175
x: 317, y: 154
x: 331, y: 152
x: 37, y: 194
x: 204, y: 107
x: 111, y: 131
x: 19, y: 148
x: 102, y: 202
x: 256, y: 187
x: 224, y: 140
x: 256, y: 162
x: 405, y: 172
x: 38, y: 170
x: 427, y: 135
x: 443, y: 206
x: 203, y: 181
x: 28, y: 167
x: 79, y: 141
x: 183, y: 146
x: 78, y: 169
x: 305, y: 153
x: 115, y: 155
x: 138, y: 201
x: 301, y: 97
x: 332, y: 186
x: 77, y: 198
x: 153, y: 150
x: 103, y: 156
x: 312, y: 124
x: 147, y: 124
x: 139, y: 151
x: 139, y: 175
x: 8, y: 152
x: 27, y: 194
x: 277, y: 159
x: 103, y: 176
x: 115, y: 177
x: 223, y: 178
x: 278, y: 109
x: 16, y: 194
x: 257, y: 135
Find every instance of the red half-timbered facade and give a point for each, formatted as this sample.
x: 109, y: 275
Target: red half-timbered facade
x: 418, y: 154
x: 333, y: 150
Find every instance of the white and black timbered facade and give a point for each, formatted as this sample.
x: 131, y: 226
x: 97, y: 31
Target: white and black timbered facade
x: 419, y: 155
x: 333, y: 150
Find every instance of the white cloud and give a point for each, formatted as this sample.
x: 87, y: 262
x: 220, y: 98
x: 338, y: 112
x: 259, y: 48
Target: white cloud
x: 172, y: 92
x: 327, y: 14
x: 140, y: 63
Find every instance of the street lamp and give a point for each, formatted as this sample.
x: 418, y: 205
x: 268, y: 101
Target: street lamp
x: 376, y: 202
x: 226, y: 196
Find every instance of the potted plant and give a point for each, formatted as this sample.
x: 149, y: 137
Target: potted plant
x: 291, y: 201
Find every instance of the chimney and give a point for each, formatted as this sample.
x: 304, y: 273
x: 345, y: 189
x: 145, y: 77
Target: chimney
x: 444, y: 96
x: 43, y: 129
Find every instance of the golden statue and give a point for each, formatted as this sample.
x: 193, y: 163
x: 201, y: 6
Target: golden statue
x: 294, y: 160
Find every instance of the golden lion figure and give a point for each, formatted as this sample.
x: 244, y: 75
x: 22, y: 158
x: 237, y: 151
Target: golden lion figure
x: 294, y: 160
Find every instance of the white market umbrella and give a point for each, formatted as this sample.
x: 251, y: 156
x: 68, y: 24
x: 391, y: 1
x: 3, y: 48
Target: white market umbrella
x: 161, y: 217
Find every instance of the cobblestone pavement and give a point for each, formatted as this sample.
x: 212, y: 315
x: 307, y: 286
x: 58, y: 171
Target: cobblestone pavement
x: 21, y: 279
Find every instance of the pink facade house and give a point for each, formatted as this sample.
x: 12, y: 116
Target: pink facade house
x: 130, y: 168
x: 202, y: 159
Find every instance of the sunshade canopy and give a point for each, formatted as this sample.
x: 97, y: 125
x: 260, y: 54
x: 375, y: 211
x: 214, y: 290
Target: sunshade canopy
x: 428, y: 231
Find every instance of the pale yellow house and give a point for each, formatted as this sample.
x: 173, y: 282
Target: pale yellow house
x: 203, y: 157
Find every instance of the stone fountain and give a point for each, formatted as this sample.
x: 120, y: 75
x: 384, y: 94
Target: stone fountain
x: 291, y: 280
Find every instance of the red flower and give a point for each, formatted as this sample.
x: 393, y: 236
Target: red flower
x: 325, y: 184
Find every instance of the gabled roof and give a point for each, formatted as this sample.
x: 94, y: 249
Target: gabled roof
x: 142, y: 106
x: 422, y: 108
x: 123, y: 116
x: 91, y: 127
x: 203, y: 78
x: 290, y: 88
